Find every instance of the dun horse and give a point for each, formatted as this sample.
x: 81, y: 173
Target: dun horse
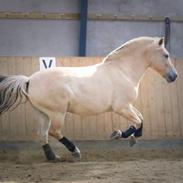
x: 111, y: 85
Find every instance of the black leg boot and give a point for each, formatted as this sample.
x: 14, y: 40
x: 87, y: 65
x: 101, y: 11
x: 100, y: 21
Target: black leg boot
x: 131, y: 130
x: 48, y: 152
x: 138, y: 132
x: 120, y: 134
x: 71, y: 147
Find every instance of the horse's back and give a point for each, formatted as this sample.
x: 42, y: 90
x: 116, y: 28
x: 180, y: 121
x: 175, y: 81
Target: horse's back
x: 84, y: 88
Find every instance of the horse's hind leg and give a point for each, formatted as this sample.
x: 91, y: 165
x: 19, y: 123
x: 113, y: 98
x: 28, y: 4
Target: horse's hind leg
x: 43, y: 132
x: 57, y: 121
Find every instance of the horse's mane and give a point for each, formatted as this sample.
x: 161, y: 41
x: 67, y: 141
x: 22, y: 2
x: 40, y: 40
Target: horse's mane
x: 128, y: 46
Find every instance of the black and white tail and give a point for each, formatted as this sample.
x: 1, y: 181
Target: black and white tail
x: 13, y: 91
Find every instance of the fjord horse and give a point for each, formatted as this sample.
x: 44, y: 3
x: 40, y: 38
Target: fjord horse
x: 111, y: 85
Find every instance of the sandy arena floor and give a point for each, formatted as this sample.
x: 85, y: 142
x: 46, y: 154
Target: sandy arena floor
x: 104, y: 166
x: 139, y: 171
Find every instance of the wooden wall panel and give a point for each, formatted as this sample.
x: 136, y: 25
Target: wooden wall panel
x: 160, y: 103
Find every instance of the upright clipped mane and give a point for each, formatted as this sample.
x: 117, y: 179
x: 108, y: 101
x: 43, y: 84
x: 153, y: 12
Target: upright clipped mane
x: 136, y: 41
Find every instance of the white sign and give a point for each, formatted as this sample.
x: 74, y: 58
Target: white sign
x: 47, y: 62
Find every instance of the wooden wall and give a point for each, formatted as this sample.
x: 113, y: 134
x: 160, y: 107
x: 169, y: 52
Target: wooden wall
x: 160, y: 103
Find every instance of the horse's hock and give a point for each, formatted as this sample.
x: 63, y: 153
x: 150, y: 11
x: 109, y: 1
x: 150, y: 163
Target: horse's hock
x: 159, y: 102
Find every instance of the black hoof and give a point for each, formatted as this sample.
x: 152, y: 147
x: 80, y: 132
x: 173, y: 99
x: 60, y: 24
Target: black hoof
x: 133, y: 140
x: 76, y: 153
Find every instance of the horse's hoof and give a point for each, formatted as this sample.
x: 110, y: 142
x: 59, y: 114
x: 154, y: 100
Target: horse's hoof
x: 57, y: 158
x: 133, y: 140
x: 76, y: 153
x: 116, y: 134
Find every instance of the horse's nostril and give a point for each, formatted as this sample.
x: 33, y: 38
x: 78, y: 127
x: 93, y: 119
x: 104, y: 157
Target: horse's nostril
x: 172, y: 77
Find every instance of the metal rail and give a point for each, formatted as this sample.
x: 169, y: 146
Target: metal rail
x: 91, y: 16
x: 118, y: 17
x: 39, y: 16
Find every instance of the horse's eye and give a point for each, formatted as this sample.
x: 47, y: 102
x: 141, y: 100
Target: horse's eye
x: 166, y: 55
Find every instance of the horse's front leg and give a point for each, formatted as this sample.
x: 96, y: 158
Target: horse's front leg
x: 135, y: 129
x: 55, y: 131
x: 138, y: 133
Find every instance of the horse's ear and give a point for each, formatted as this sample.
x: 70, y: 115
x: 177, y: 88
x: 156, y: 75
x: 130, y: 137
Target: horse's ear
x: 161, y: 41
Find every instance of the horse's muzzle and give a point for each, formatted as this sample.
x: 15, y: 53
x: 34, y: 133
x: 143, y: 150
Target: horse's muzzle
x: 171, y: 76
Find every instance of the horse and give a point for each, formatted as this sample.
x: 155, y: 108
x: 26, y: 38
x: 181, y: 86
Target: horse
x: 111, y: 85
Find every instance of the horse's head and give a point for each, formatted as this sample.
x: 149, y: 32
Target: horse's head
x: 160, y: 61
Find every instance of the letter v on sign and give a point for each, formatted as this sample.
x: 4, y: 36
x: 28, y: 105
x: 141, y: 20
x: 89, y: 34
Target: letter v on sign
x: 47, y: 62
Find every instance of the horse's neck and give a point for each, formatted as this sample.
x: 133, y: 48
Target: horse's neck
x: 134, y: 68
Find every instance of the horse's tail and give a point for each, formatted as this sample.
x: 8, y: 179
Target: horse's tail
x: 13, y: 91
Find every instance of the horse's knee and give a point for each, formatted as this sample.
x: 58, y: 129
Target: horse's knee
x: 137, y: 122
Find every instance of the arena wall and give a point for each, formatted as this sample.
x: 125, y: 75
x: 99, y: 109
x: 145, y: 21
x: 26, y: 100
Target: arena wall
x: 160, y: 103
